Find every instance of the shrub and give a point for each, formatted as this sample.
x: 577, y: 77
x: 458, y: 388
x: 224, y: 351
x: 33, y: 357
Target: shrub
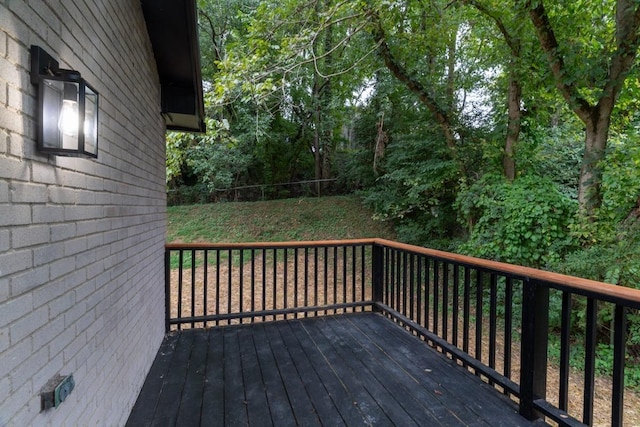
x: 525, y: 222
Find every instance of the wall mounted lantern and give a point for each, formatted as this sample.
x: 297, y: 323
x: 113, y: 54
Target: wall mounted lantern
x: 67, y: 108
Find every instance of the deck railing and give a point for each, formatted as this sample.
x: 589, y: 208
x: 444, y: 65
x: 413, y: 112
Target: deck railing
x: 494, y: 318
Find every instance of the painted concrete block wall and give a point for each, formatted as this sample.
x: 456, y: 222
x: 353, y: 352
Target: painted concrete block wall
x: 81, y: 240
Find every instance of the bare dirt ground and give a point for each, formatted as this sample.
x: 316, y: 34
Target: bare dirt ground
x: 224, y: 295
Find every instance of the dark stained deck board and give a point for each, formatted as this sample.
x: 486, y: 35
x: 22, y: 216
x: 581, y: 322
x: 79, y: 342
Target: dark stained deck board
x: 280, y: 409
x: 402, y: 409
x: 429, y: 371
x: 257, y: 403
x: 148, y: 402
x: 470, y: 410
x: 355, y: 370
x: 291, y: 403
x: 347, y: 387
x: 213, y: 391
x: 235, y: 411
x: 331, y: 408
x: 420, y: 401
x: 174, y: 381
x: 191, y: 400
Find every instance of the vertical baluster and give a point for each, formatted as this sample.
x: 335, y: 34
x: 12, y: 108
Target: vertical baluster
x: 466, y: 309
x: 264, y: 282
x: 274, y: 304
x: 565, y: 336
x: 241, y: 290
x: 253, y: 284
x: 325, y: 262
x: 590, y: 361
x: 619, y: 342
x: 493, y: 314
x: 412, y: 289
x: 397, y: 280
x: 285, y: 285
x: 387, y: 275
x: 508, y: 326
x: 403, y: 268
x: 205, y: 285
x: 193, y: 286
x: 344, y: 277
x: 306, y: 280
x: 419, y: 316
x: 335, y: 277
x: 217, y: 285
x: 445, y: 301
x: 455, y: 303
x: 354, y: 264
x: 229, y: 283
x: 180, y: 264
x: 479, y: 291
x: 315, y: 278
x: 436, y: 295
x: 391, y: 283
x: 363, y: 274
x: 295, y: 280
x: 427, y: 293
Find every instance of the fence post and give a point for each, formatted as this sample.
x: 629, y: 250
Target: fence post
x: 534, y: 343
x: 377, y: 260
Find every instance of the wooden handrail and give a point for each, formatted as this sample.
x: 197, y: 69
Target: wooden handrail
x: 272, y: 245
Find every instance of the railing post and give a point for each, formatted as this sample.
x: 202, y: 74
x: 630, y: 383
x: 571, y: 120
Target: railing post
x: 167, y: 288
x: 533, y: 353
x: 377, y: 261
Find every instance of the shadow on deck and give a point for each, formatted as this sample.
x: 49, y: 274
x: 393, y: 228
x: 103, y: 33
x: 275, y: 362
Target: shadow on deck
x: 352, y: 369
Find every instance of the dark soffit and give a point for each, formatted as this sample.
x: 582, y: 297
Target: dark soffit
x: 172, y: 28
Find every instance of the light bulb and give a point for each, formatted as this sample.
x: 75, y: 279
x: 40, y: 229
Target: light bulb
x: 68, y: 121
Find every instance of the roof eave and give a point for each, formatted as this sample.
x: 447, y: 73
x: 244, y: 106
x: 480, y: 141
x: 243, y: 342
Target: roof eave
x: 173, y: 31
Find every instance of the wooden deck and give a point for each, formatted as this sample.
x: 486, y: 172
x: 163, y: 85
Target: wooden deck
x: 355, y: 370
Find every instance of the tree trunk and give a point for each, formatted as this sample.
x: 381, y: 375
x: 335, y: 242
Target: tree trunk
x: 440, y: 113
x: 514, y: 98
x: 317, y: 134
x: 596, y: 135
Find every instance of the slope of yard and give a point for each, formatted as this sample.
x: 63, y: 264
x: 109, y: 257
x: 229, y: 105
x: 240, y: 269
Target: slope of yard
x: 325, y: 218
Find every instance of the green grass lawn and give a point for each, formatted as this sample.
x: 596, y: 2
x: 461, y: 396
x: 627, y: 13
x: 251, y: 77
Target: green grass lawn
x: 325, y: 218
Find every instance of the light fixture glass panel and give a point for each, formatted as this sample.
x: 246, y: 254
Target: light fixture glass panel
x: 91, y: 121
x: 51, y: 97
x: 69, y: 120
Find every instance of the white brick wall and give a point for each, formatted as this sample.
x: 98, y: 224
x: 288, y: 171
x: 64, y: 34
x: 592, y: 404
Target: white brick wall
x: 81, y: 241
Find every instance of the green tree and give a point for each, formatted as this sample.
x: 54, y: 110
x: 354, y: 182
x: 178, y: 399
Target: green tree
x: 590, y: 60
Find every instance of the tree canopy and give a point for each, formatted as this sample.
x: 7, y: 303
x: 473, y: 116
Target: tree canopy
x: 507, y: 129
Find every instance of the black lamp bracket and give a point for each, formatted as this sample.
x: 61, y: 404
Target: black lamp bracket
x: 43, y: 64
